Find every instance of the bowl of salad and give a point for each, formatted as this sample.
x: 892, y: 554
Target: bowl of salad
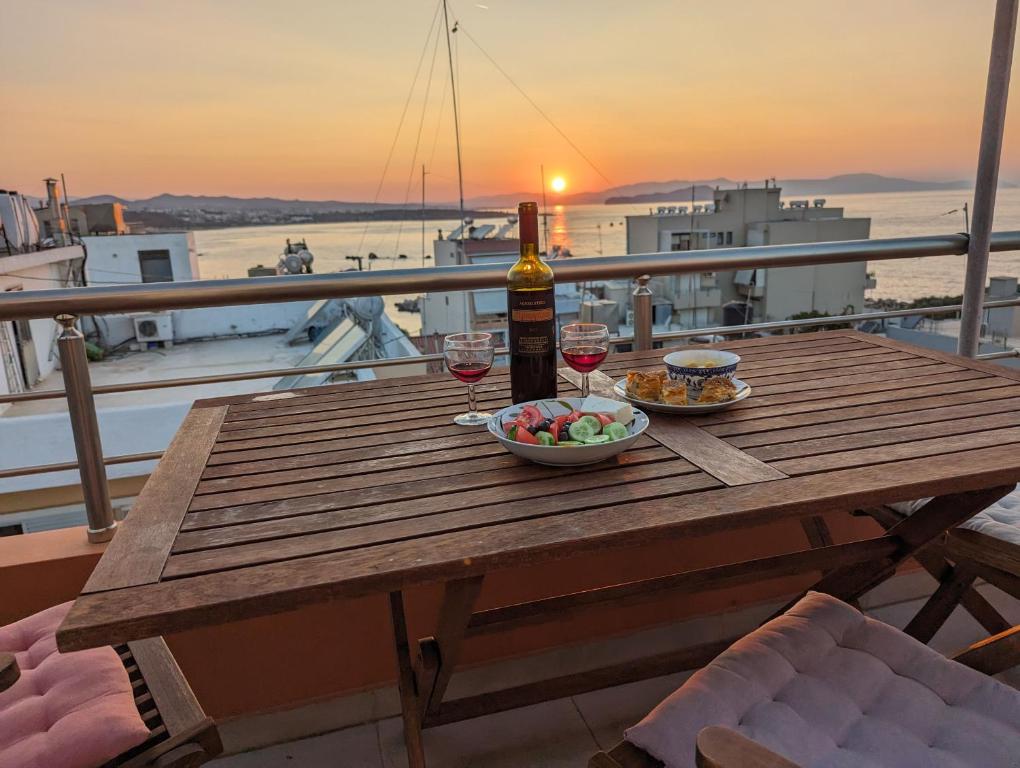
x: 568, y: 431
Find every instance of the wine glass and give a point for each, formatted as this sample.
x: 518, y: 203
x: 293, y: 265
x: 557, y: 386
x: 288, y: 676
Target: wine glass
x: 584, y: 346
x: 469, y: 357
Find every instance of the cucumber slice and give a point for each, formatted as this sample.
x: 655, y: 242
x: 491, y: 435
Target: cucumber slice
x: 596, y: 425
x: 545, y: 438
x: 581, y: 430
x: 596, y: 439
x: 616, y: 431
x: 568, y: 443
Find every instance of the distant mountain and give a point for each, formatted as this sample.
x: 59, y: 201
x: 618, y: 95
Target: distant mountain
x: 682, y: 194
x: 168, y: 202
x: 679, y: 191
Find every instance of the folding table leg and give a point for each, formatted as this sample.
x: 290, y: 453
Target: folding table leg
x: 933, y: 559
x: 934, y: 518
x: 936, y: 611
x: 410, y: 705
x: 441, y: 652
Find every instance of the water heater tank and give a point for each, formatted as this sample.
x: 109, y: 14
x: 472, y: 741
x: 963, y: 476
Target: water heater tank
x: 368, y: 308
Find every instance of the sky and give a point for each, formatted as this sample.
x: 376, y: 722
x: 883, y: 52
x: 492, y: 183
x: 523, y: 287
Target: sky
x: 303, y: 98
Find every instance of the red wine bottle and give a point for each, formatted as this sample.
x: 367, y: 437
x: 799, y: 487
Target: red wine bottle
x: 531, y: 314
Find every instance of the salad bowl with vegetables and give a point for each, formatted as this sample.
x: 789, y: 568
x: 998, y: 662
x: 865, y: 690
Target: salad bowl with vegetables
x: 568, y: 431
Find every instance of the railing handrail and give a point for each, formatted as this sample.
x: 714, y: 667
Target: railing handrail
x: 136, y: 297
x: 273, y: 373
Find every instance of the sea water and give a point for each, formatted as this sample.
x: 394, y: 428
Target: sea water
x: 593, y: 230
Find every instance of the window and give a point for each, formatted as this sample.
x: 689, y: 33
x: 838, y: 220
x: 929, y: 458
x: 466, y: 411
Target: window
x: 155, y: 266
x: 729, y: 238
x: 680, y: 241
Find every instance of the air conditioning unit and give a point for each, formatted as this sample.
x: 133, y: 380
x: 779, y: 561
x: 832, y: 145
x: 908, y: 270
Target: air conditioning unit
x: 155, y: 326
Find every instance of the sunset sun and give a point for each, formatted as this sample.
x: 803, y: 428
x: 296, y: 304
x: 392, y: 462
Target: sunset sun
x: 558, y: 184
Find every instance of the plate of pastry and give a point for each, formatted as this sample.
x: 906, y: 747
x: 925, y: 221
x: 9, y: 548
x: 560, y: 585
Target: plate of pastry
x: 655, y: 391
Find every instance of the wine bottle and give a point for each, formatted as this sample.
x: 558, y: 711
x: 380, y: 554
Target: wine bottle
x: 531, y: 314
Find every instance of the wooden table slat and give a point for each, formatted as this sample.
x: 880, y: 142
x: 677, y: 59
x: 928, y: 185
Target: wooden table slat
x: 202, y: 530
x: 510, y: 471
x: 140, y: 548
x: 905, y: 405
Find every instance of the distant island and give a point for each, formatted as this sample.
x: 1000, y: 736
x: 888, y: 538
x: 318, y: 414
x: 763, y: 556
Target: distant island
x: 679, y: 191
x: 175, y: 212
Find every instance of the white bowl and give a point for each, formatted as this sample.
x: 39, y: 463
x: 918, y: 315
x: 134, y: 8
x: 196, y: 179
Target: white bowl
x: 570, y: 455
x: 683, y: 366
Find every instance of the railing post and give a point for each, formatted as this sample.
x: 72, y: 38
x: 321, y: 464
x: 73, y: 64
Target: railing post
x: 81, y: 407
x: 642, y: 297
x: 994, y: 120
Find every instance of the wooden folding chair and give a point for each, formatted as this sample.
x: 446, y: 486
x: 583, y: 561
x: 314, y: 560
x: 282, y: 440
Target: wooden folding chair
x: 986, y: 547
x: 180, y: 733
x: 715, y: 746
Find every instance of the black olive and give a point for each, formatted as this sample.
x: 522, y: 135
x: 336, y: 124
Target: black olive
x: 546, y: 425
x: 535, y: 429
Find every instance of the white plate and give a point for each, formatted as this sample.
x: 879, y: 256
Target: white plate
x: 743, y: 391
x: 571, y: 455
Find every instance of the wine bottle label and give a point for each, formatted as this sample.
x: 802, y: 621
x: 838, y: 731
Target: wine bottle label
x: 531, y: 322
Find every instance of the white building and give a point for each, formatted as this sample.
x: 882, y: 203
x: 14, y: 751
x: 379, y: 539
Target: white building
x: 751, y: 217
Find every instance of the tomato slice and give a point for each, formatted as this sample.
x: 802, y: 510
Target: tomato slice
x: 531, y: 415
x: 574, y: 416
x: 603, y: 418
x: 520, y: 434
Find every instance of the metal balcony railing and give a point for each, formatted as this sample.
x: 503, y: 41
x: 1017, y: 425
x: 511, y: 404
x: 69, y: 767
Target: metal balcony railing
x: 68, y: 304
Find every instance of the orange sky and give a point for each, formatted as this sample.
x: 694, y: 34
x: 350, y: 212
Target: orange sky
x: 302, y: 98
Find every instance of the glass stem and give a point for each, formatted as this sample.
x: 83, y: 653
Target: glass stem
x: 471, y: 398
x: 584, y: 385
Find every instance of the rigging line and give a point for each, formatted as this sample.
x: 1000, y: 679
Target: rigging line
x: 417, y: 143
x: 400, y: 123
x: 439, y: 123
x: 533, y: 104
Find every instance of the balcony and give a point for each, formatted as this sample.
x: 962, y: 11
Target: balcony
x: 275, y: 682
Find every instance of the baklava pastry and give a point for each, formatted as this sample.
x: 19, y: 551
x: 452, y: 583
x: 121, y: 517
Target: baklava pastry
x: 717, y: 389
x: 674, y: 392
x: 644, y: 386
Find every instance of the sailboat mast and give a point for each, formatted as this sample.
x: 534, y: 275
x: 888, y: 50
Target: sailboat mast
x: 456, y: 114
x: 545, y: 212
x: 423, y: 214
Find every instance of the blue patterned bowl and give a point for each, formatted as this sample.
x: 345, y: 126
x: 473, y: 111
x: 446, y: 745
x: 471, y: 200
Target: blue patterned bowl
x: 689, y: 366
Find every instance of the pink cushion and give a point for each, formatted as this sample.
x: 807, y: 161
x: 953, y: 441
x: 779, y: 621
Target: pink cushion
x: 827, y: 687
x: 73, y: 710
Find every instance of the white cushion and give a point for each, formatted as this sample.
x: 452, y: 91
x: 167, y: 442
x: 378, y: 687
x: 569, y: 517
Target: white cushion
x: 999, y: 521
x: 827, y: 687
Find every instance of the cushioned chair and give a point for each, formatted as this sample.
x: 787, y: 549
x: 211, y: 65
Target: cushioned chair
x: 122, y: 707
x: 987, y: 546
x: 823, y: 686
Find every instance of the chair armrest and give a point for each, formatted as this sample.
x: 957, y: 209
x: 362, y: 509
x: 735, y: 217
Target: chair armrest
x: 9, y: 671
x: 993, y: 655
x: 724, y: 748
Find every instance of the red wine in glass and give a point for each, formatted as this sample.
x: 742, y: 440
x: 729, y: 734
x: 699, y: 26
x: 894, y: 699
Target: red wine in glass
x: 584, y: 347
x: 469, y: 357
x: 471, y: 373
x: 584, y: 359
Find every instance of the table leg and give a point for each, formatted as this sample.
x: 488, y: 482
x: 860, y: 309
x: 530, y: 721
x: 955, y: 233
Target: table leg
x: 441, y: 651
x: 933, y: 519
x: 410, y: 703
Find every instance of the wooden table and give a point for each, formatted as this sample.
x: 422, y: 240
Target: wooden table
x: 265, y: 503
